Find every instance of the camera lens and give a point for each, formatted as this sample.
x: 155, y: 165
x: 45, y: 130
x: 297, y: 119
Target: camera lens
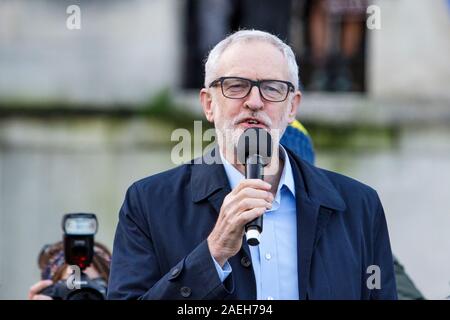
x: 85, y: 294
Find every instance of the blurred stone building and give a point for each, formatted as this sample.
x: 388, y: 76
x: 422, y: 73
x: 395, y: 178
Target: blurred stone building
x: 73, y: 136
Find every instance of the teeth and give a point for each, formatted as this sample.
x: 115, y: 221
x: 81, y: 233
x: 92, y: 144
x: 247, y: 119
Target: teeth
x: 252, y: 121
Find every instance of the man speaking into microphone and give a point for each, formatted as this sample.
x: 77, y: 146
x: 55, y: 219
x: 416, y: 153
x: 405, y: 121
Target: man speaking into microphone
x: 182, y: 233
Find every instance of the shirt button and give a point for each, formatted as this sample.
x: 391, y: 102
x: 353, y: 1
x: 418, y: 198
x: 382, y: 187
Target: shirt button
x: 175, y: 271
x: 269, y: 298
x: 245, y: 261
x: 185, y: 291
x: 268, y: 256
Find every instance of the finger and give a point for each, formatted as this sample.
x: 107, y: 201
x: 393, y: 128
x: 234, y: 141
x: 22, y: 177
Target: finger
x: 227, y: 204
x: 252, y: 183
x: 39, y: 286
x: 250, y: 215
x: 237, y: 207
x: 250, y: 203
x: 249, y: 192
x: 41, y: 297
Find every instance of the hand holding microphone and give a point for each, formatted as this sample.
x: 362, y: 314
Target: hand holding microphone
x: 248, y: 201
x: 243, y: 207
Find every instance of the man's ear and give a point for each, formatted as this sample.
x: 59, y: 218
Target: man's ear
x: 206, y: 101
x: 293, y: 106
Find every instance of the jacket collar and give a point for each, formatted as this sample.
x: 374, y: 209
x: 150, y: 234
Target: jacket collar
x: 208, y: 175
x: 315, y: 184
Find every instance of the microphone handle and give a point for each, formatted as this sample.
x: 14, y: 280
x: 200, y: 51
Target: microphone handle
x: 254, y: 170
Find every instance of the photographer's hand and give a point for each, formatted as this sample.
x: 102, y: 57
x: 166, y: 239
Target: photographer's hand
x: 33, y: 294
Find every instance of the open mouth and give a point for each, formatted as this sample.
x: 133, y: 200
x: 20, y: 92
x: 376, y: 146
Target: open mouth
x: 252, y: 123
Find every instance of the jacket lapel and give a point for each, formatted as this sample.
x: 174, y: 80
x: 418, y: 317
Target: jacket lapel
x: 315, y: 195
x: 209, y: 180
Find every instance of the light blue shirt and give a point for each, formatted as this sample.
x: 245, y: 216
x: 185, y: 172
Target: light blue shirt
x: 274, y: 260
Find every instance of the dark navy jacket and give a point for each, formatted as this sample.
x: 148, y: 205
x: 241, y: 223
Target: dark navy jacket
x: 160, y: 249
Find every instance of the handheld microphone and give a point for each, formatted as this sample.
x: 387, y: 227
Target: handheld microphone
x: 254, y: 152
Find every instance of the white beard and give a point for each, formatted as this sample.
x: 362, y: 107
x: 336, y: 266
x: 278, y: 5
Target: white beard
x: 228, y: 133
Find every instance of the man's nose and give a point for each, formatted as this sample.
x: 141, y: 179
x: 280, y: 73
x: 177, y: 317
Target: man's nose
x: 254, y: 100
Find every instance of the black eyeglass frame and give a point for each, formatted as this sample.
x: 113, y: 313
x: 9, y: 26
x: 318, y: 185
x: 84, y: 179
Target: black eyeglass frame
x: 253, y: 83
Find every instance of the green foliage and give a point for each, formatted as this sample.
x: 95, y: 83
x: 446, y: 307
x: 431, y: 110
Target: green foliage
x: 163, y: 107
x: 352, y: 136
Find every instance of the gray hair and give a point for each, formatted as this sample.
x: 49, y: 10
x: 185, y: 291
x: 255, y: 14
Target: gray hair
x: 247, y: 35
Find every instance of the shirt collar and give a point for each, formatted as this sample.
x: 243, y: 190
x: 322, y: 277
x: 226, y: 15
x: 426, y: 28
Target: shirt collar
x: 286, y: 179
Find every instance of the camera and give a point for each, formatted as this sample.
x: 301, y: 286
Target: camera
x: 79, y: 230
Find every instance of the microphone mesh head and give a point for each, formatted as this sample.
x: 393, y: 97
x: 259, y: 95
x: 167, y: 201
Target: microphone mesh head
x: 254, y: 141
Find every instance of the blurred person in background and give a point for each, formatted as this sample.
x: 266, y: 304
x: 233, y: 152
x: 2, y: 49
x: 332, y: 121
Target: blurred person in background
x: 209, y: 21
x: 297, y: 138
x: 325, y: 17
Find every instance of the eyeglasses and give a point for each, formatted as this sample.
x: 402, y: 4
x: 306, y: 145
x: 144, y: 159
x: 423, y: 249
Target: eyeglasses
x: 238, y: 88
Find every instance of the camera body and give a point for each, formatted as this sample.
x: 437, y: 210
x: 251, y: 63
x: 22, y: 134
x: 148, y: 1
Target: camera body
x: 88, y: 289
x: 78, y: 238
